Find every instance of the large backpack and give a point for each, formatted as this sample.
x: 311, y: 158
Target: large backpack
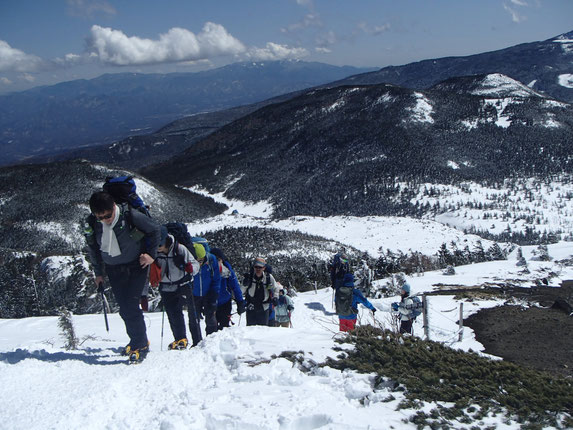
x: 203, y: 242
x: 416, y: 307
x: 343, y: 303
x: 124, y: 190
x: 179, y: 231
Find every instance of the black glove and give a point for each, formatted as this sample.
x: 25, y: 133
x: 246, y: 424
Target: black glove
x: 241, y: 307
x: 100, y: 288
x: 290, y: 307
x: 373, y: 311
x: 275, y: 301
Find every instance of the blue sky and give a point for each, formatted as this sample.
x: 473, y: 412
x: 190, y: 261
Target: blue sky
x: 45, y: 42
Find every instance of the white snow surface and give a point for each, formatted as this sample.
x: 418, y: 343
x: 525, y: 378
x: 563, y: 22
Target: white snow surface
x: 499, y: 85
x: 231, y: 380
x: 566, y: 80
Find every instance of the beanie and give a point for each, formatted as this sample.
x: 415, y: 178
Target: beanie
x: 406, y: 288
x: 260, y: 262
x: 199, y: 250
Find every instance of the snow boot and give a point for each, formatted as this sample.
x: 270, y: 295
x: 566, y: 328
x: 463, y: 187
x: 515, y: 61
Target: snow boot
x: 180, y: 344
x: 136, y: 356
x: 126, y: 351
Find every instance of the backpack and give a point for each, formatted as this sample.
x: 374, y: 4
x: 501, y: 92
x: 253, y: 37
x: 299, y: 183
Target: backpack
x: 179, y: 231
x: 416, y: 307
x: 343, y: 303
x: 124, y: 190
x: 203, y: 242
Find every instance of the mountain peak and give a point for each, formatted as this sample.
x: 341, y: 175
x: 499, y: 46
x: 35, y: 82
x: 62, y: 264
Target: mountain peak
x: 499, y: 85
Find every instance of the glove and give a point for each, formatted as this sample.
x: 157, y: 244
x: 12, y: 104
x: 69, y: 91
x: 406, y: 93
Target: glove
x: 290, y: 308
x: 395, y: 306
x: 100, y: 288
x: 275, y: 301
x: 241, y: 307
x: 373, y: 311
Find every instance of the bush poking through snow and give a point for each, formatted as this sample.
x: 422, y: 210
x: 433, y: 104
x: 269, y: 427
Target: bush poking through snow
x: 476, y: 386
x: 66, y: 325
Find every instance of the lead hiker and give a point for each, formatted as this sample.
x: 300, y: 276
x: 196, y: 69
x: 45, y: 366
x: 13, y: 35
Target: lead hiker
x: 122, y: 243
x: 206, y: 286
x: 347, y: 300
x: 259, y: 289
x: 177, y: 267
x: 229, y: 289
x: 283, y: 309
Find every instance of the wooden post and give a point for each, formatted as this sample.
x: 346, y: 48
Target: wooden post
x: 461, y: 322
x: 425, y: 316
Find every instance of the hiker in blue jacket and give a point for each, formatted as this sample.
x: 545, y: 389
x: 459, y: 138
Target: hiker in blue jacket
x: 228, y: 290
x: 347, y: 301
x: 404, y: 308
x: 122, y: 243
x: 206, y: 287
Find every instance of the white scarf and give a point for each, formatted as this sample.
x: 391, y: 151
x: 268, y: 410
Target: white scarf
x: 109, y: 242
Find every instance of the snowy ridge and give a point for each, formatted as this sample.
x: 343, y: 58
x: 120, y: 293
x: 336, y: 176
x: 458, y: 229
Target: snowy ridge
x: 501, y: 86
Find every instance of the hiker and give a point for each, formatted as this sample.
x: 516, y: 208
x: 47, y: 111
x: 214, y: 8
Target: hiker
x: 177, y: 267
x: 347, y: 299
x: 259, y: 288
x: 338, y: 268
x: 404, y: 308
x: 206, y: 287
x: 229, y: 289
x: 116, y: 250
x: 284, y: 307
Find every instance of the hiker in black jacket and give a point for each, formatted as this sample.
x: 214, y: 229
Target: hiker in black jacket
x: 259, y: 289
x: 122, y: 243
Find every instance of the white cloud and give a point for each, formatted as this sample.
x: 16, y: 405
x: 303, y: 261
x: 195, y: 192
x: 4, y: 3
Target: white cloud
x: 515, y: 15
x: 5, y: 81
x: 12, y: 59
x: 177, y: 45
x: 374, y: 30
x: 310, y: 20
x: 519, y: 2
x: 87, y: 8
x: 322, y: 50
x: 274, y: 51
x: 28, y: 78
x: 305, y: 3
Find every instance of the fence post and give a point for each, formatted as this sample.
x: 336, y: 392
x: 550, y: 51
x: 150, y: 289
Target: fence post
x: 461, y: 322
x: 426, y: 317
x: 315, y: 288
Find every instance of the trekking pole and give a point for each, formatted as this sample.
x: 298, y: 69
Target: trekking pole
x: 289, y: 320
x: 162, y: 322
x: 104, y: 303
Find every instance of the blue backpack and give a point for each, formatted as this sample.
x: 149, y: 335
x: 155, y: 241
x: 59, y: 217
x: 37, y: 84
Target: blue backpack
x: 124, y: 190
x: 416, y: 307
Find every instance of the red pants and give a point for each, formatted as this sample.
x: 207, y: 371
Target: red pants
x: 347, y: 325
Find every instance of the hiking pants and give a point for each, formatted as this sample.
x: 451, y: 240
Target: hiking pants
x: 346, y: 325
x: 223, y: 315
x: 127, y: 282
x: 173, y: 303
x: 406, y: 326
x: 258, y: 317
x: 208, y: 306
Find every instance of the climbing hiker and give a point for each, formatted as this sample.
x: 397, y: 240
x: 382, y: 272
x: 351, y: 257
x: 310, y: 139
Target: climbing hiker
x: 177, y: 266
x: 259, y: 288
x: 206, y: 286
x: 407, y: 309
x: 283, y: 309
x: 228, y: 290
x: 122, y: 243
x: 347, y: 299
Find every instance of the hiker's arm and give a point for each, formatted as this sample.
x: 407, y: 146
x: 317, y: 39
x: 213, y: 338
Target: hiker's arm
x: 235, y: 285
x: 94, y: 253
x: 152, y: 232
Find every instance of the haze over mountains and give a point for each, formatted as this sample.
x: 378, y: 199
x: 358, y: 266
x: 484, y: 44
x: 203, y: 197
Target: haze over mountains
x: 48, y: 120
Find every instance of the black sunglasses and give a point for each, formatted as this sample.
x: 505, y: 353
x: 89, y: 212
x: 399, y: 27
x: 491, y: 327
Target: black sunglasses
x: 108, y: 216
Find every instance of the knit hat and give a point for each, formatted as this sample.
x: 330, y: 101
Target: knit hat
x: 260, y: 262
x: 199, y: 251
x: 406, y: 288
x: 348, y: 280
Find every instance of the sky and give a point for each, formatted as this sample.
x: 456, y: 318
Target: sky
x: 45, y: 42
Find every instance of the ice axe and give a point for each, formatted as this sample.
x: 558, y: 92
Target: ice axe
x: 100, y: 289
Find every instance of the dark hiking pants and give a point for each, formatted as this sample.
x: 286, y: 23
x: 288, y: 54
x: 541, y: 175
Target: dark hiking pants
x: 258, y: 317
x: 127, y: 282
x: 207, y: 305
x: 223, y: 315
x: 173, y: 303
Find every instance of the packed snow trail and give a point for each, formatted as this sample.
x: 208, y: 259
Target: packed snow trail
x: 232, y: 380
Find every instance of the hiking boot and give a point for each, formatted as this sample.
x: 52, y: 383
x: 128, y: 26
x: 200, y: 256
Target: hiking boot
x: 138, y: 355
x: 178, y: 344
x: 126, y: 351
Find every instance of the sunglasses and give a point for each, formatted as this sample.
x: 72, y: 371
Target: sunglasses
x: 102, y: 217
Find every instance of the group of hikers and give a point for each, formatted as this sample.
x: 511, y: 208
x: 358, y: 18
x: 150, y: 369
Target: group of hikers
x: 132, y: 249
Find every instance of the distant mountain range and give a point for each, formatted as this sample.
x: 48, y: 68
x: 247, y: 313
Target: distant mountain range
x: 544, y: 66
x: 70, y: 115
x: 361, y: 150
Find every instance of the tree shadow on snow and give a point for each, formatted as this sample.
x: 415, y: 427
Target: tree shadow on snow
x: 317, y: 306
x: 85, y: 355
